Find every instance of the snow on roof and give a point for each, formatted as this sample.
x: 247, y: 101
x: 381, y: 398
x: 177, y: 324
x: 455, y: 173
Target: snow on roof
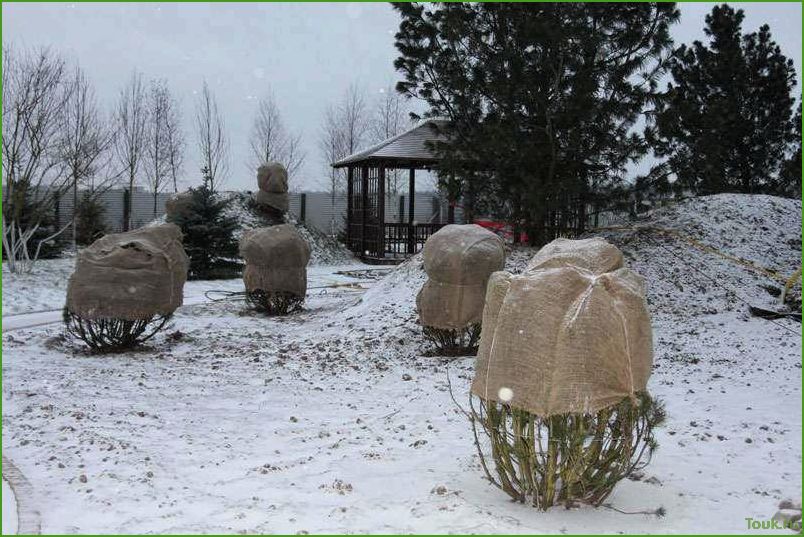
x: 409, y: 147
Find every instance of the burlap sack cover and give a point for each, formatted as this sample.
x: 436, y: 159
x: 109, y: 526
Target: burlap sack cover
x: 458, y: 260
x: 595, y: 254
x: 178, y: 204
x: 562, y: 337
x: 277, y: 201
x: 272, y: 179
x: 130, y: 276
x: 276, y: 259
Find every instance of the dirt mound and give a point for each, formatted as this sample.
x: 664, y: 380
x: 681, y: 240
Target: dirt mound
x: 699, y: 255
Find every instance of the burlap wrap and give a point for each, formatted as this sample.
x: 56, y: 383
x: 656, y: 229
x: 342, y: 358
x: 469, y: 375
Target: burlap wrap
x: 458, y: 260
x: 276, y: 259
x: 272, y: 199
x: 595, y: 254
x: 178, y: 205
x: 130, y: 276
x: 272, y: 180
x: 562, y: 337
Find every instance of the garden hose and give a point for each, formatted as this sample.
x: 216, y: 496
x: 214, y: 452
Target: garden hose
x: 241, y: 295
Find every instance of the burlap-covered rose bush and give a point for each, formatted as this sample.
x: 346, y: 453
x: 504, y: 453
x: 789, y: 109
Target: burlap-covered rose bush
x: 458, y: 260
x: 276, y: 268
x: 123, y: 282
x: 565, y: 355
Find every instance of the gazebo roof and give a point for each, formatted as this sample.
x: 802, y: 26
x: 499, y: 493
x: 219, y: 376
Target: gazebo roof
x: 406, y: 150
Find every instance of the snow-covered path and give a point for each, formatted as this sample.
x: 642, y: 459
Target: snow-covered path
x: 41, y: 318
x: 194, y: 293
x: 10, y: 522
x: 30, y: 320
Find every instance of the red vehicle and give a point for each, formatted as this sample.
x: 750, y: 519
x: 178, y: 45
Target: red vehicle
x: 503, y: 230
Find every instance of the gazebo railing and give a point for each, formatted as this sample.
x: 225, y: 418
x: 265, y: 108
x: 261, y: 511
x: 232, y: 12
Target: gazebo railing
x: 407, y: 239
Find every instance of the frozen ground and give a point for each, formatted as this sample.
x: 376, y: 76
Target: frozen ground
x: 337, y: 420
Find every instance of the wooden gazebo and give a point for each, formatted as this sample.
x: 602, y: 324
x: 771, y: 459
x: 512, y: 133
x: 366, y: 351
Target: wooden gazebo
x: 368, y: 235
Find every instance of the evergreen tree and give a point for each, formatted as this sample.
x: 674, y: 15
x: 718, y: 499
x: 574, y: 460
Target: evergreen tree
x: 789, y: 183
x: 724, y: 123
x: 90, y: 224
x: 208, y: 234
x: 542, y: 99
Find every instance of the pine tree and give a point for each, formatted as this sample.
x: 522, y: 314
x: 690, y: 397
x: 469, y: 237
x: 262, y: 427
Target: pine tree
x: 209, y: 234
x: 789, y: 183
x: 90, y: 224
x: 542, y: 99
x: 724, y: 123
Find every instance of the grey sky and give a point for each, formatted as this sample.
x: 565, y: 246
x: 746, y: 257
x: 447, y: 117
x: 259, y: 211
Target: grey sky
x: 306, y: 53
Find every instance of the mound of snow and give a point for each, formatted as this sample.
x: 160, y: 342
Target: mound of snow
x: 686, y: 277
x: 758, y: 228
x: 325, y: 249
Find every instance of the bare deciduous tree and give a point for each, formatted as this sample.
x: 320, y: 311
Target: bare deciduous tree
x: 130, y: 119
x: 272, y: 141
x: 174, y: 140
x: 34, y: 98
x: 164, y: 137
x: 354, y: 119
x: 213, y: 142
x: 343, y: 131
x: 157, y: 153
x: 331, y: 145
x: 390, y: 117
x: 84, y: 143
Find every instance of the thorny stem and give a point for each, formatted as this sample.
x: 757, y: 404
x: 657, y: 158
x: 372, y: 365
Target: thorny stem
x: 585, y: 455
x: 113, y: 335
x: 448, y: 342
x: 274, y: 302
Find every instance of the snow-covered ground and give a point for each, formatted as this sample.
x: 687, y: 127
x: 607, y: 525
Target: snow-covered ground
x: 338, y: 420
x: 10, y: 522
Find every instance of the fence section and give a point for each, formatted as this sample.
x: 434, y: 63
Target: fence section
x: 114, y: 204
x: 320, y: 210
x: 327, y: 213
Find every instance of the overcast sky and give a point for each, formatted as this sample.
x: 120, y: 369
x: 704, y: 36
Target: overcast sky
x: 307, y: 53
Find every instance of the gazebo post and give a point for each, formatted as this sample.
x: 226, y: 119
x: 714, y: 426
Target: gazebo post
x: 381, y: 211
x: 411, y: 208
x: 364, y: 204
x: 451, y: 202
x: 349, y: 204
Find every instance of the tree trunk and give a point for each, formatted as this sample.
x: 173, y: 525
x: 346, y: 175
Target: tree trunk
x: 469, y: 204
x: 75, y: 213
x: 126, y: 209
x: 535, y: 226
x: 129, y: 203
